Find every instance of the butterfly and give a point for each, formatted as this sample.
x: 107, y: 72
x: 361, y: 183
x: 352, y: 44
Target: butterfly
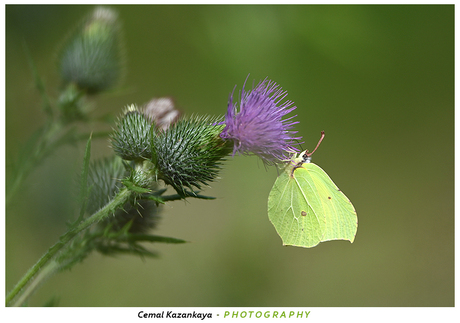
x: 306, y: 207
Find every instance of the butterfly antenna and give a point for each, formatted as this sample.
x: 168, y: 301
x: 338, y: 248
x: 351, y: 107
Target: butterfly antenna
x: 299, y: 143
x: 319, y: 142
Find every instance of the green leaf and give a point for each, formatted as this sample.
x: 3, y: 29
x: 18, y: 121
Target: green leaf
x: 307, y: 208
x: 133, y: 187
x: 153, y: 197
x: 139, y: 237
x: 84, y: 190
x: 39, y: 84
x: 186, y: 194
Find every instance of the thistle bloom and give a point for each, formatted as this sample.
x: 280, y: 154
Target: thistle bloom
x: 258, y: 128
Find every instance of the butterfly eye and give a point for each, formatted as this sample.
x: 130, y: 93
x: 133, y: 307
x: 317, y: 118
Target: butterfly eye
x: 306, y: 159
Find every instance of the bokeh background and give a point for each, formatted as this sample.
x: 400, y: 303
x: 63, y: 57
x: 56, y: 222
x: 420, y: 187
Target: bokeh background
x: 379, y: 80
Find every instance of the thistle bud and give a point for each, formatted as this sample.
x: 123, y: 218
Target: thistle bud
x: 92, y: 58
x: 189, y: 153
x: 145, y: 215
x: 131, y: 139
x: 104, y: 180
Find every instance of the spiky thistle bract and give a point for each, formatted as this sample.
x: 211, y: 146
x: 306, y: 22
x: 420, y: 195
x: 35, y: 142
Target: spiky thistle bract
x: 131, y: 138
x: 189, y: 153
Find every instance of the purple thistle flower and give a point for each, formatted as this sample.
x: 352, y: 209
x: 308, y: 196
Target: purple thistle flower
x: 258, y: 127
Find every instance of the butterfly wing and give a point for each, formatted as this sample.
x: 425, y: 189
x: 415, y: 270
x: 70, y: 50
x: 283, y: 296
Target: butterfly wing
x: 306, y: 208
x: 291, y: 213
x: 329, y: 200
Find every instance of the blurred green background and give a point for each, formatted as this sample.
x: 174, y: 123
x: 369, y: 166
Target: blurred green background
x: 379, y: 80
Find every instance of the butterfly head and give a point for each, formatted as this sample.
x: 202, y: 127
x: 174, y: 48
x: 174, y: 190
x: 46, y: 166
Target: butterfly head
x: 306, y: 158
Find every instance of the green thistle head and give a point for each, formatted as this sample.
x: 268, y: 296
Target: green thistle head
x: 92, y: 58
x: 104, y: 181
x: 189, y: 153
x: 131, y: 139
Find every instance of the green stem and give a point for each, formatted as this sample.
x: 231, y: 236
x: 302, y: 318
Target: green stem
x: 45, y: 272
x: 42, y: 149
x: 45, y: 267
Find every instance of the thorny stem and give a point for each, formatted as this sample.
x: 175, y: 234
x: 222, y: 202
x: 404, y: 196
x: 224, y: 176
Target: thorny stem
x: 47, y: 264
x: 42, y: 148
